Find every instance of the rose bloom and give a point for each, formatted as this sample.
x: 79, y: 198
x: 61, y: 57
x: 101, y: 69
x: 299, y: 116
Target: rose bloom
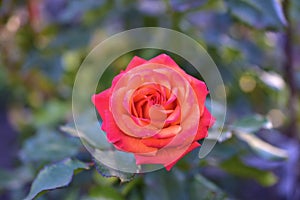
x: 155, y: 111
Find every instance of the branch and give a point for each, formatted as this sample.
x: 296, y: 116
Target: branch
x: 289, y: 72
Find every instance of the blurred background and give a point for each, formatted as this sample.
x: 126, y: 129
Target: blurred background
x: 255, y: 45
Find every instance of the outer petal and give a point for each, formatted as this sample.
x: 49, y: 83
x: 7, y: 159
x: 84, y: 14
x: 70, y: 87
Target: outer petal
x: 192, y: 147
x: 136, y: 61
x: 116, y: 79
x: 168, y: 61
x: 167, y: 157
x: 101, y: 102
x: 164, y: 60
x: 201, y: 92
x: 205, y: 122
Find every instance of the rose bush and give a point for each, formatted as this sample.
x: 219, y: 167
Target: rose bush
x: 155, y: 111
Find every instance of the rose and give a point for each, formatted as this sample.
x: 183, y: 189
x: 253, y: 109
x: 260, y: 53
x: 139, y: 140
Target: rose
x: 155, y: 111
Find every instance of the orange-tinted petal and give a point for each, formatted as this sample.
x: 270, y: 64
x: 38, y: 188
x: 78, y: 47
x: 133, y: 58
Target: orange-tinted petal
x: 156, y: 143
x: 169, y: 131
x: 122, y: 141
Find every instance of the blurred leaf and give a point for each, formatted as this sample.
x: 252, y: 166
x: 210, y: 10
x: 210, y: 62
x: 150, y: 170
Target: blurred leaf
x: 130, y: 186
x: 51, y: 65
x: 175, y: 185
x: 226, y: 150
x: 258, y: 13
x: 262, y: 148
x: 66, y: 12
x: 9, y: 181
x: 49, y: 146
x: 101, y: 180
x: 251, y: 123
x: 104, y: 192
x: 94, y: 137
x: 162, y: 185
x: 236, y: 167
x: 77, y: 8
x: 71, y: 38
x: 53, y: 112
x: 55, y: 176
x: 109, y: 172
x: 202, y: 188
x: 89, y: 130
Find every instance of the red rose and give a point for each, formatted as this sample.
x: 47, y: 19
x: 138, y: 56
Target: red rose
x: 155, y: 111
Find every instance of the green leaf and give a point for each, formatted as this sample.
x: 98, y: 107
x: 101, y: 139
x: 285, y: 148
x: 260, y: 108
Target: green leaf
x: 162, y: 185
x: 236, y: 167
x: 55, y: 176
x: 94, y: 137
x: 262, y: 148
x: 104, y: 181
x: 49, y: 146
x: 251, y: 123
x: 202, y: 188
x: 258, y: 13
x: 109, y: 172
x: 176, y: 185
x: 89, y: 131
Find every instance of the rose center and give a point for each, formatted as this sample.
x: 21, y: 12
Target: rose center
x: 151, y: 97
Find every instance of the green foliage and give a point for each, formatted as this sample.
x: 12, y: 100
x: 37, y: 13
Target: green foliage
x: 109, y: 172
x: 47, y: 146
x: 262, y: 148
x: 238, y: 168
x: 176, y: 185
x: 55, y: 176
x: 202, y: 188
x: 259, y: 14
x: 251, y: 124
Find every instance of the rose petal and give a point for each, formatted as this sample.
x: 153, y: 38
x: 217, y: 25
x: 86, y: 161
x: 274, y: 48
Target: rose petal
x: 169, y: 62
x: 168, y: 132
x: 175, y: 116
x: 205, y: 122
x: 142, y: 109
x: 116, y: 79
x: 192, y: 147
x: 156, y: 143
x: 164, y: 60
x: 136, y: 61
x: 101, y: 102
x: 201, y: 91
x: 166, y: 156
x: 122, y: 141
x: 171, y: 99
x: 140, y: 121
